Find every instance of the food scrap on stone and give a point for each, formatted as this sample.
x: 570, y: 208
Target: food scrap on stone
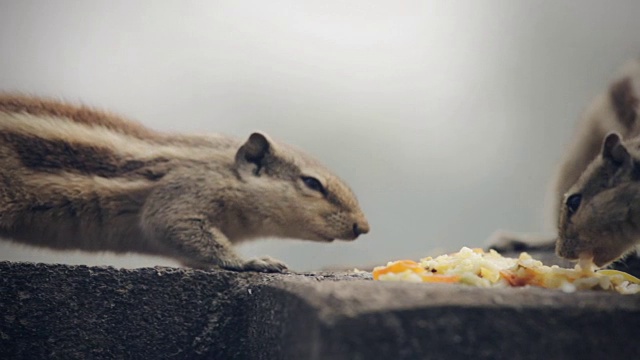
x: 477, y: 267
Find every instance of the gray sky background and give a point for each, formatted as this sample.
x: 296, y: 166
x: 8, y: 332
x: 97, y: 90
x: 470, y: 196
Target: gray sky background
x: 447, y: 118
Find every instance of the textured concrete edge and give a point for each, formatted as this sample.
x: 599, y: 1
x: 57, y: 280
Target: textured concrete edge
x: 103, y: 312
x: 361, y: 296
x: 367, y: 319
x: 76, y: 312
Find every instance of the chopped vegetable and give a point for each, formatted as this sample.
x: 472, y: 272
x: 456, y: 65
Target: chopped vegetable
x: 628, y: 277
x: 399, y: 266
x: 476, y: 267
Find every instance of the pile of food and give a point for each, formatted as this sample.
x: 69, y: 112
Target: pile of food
x: 490, y: 269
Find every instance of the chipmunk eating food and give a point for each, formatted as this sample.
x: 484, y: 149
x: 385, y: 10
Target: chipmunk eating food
x: 77, y: 178
x: 600, y: 219
x: 596, y: 195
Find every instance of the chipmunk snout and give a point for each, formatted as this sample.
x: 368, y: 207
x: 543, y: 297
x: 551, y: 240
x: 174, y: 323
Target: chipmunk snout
x: 360, y: 228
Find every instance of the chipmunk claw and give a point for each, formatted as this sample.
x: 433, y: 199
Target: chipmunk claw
x: 264, y: 264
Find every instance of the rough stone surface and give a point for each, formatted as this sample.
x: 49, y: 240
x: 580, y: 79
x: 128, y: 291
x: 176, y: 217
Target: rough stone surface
x: 79, y: 312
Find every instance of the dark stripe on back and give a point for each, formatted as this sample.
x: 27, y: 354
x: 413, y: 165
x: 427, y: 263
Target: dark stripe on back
x: 57, y: 155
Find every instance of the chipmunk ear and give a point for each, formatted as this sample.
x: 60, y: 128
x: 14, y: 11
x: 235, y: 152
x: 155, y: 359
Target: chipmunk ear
x: 254, y: 151
x: 613, y: 150
x: 625, y: 102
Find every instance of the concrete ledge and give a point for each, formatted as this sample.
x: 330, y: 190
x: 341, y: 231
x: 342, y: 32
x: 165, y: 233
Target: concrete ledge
x: 78, y: 312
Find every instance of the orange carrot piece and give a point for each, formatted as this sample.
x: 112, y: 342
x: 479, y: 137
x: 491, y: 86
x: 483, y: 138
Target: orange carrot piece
x: 398, y: 267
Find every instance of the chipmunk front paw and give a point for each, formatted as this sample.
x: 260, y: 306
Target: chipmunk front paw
x: 265, y: 264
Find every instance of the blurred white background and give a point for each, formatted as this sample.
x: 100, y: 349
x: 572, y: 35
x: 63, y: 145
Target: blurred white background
x: 447, y: 118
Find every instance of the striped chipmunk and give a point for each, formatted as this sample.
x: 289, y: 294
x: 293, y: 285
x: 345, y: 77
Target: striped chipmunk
x: 78, y: 178
x: 596, y: 189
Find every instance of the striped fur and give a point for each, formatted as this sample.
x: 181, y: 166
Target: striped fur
x: 78, y: 178
x: 615, y: 110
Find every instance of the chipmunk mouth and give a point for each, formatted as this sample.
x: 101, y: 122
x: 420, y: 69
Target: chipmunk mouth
x: 349, y: 238
x: 604, y: 257
x: 602, y: 262
x: 323, y: 238
x: 343, y: 237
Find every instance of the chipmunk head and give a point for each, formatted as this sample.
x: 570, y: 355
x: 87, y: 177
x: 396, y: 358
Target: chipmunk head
x: 295, y: 195
x: 599, y: 216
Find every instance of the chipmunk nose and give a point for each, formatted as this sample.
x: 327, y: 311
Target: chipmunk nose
x: 359, y: 229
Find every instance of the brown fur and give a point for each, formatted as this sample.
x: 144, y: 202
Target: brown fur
x: 38, y: 106
x: 612, y: 111
x: 625, y: 102
x: 606, y: 225
x: 63, y: 156
x: 75, y: 178
x: 615, y: 110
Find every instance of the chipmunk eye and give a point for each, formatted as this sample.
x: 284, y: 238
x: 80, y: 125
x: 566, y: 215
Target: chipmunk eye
x: 313, y: 184
x: 573, y: 203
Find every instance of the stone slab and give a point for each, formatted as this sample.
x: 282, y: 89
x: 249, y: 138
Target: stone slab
x: 79, y: 312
